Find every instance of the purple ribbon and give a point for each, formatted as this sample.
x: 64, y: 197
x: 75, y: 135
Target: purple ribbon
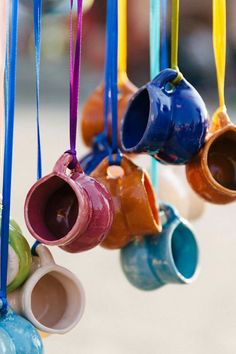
x: 74, y: 78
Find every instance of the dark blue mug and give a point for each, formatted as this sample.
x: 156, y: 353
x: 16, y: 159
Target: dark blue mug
x: 167, y: 120
x: 169, y: 257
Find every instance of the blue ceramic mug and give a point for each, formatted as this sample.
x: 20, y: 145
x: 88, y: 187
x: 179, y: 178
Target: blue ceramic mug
x: 167, y: 120
x: 18, y: 336
x: 90, y: 161
x: 169, y: 257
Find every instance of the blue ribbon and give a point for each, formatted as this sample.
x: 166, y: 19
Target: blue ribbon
x: 164, y: 35
x: 154, y: 63
x: 113, y: 31
x: 37, y: 43
x: 8, y: 152
x: 102, y: 138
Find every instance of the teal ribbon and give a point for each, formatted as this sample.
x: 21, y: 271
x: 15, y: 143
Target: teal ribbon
x: 155, y: 29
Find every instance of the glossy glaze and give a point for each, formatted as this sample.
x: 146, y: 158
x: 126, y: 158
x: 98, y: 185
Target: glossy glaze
x: 19, y: 261
x: 170, y: 124
x: 18, y: 336
x: 134, y: 203
x: 71, y: 211
x: 170, y: 257
x: 212, y: 173
x: 92, y: 122
x: 52, y: 298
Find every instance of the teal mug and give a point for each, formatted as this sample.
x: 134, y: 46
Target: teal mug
x: 169, y: 257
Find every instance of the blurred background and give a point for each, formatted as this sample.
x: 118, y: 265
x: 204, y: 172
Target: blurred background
x: 119, y: 319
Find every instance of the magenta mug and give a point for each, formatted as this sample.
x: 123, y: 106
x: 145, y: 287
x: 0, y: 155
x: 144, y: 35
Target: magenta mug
x: 72, y: 211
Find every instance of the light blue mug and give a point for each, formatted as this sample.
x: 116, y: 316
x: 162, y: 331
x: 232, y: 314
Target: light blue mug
x: 169, y: 257
x: 18, y: 336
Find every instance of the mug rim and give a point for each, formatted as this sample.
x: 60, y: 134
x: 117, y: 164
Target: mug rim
x: 181, y: 277
x: 204, y: 160
x: 79, y: 191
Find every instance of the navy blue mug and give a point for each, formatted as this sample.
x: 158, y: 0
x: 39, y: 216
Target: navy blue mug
x: 169, y: 257
x: 90, y: 161
x: 167, y: 120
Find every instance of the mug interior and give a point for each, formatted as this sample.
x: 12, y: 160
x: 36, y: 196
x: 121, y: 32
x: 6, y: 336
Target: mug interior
x: 136, y: 120
x: 53, y: 209
x: 184, y: 251
x: 151, y: 198
x: 56, y: 301
x: 222, y: 160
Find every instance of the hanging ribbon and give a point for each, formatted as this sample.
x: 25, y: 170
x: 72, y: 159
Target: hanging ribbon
x: 3, y: 35
x: 37, y: 43
x: 164, y: 36
x: 8, y: 150
x: 175, y: 38
x: 114, y: 89
x: 74, y: 78
x: 154, y: 63
x: 219, y: 45
x: 122, y: 41
x: 102, y: 138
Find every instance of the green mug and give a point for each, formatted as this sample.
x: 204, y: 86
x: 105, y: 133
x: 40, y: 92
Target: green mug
x: 19, y: 258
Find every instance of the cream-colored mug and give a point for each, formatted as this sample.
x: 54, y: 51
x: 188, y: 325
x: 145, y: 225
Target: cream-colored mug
x: 174, y: 189
x: 52, y: 298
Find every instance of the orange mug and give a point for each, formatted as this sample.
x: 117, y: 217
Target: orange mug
x: 92, y: 122
x: 212, y: 172
x: 136, y: 212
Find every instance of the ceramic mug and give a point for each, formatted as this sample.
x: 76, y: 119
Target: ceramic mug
x: 52, y: 298
x: 19, y: 258
x: 92, y: 122
x: 134, y: 201
x: 168, y: 124
x: 18, y: 336
x: 72, y: 211
x: 171, y: 257
x: 212, y: 173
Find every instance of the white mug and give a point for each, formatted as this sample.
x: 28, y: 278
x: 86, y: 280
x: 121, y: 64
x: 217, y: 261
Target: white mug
x: 52, y: 298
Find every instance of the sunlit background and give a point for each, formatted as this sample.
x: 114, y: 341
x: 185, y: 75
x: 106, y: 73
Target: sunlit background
x: 196, y: 319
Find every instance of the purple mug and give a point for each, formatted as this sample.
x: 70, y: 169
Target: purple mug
x: 72, y: 211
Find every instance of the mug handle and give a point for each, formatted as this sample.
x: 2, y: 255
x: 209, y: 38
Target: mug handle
x: 168, y: 213
x: 220, y: 119
x: 63, y: 162
x: 45, y: 255
x: 165, y: 76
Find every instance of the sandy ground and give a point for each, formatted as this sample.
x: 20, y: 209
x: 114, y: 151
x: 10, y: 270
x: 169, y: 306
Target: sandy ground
x: 196, y: 319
